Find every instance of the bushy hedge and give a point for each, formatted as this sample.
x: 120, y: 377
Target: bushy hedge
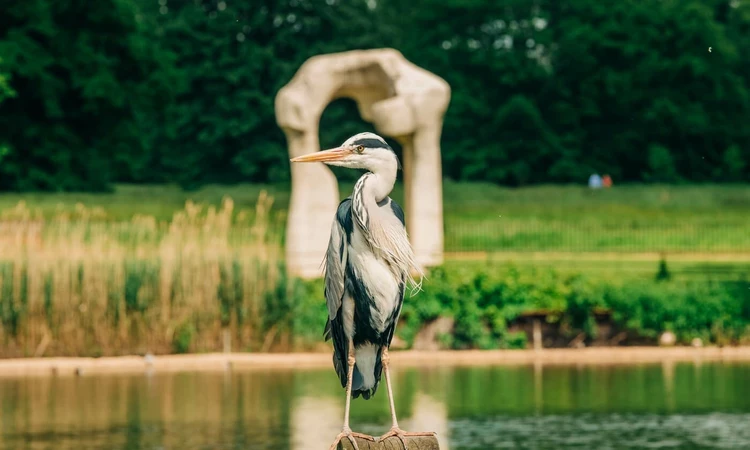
x: 484, y: 302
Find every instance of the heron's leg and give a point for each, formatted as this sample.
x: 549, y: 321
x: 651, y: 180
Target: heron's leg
x: 386, y: 359
x: 395, y: 430
x: 347, y: 431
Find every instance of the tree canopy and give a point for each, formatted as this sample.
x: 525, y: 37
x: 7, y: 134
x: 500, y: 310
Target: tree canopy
x: 93, y: 93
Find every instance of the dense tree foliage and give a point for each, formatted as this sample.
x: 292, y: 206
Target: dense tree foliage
x: 82, y: 72
x: 542, y: 91
x: 232, y: 57
x: 5, y: 92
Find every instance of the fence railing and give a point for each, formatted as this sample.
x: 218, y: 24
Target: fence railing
x: 511, y: 236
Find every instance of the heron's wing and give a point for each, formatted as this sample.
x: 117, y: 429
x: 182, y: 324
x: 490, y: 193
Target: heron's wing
x: 398, y: 212
x: 335, y: 260
x: 335, y: 269
x: 335, y: 330
x: 393, y: 320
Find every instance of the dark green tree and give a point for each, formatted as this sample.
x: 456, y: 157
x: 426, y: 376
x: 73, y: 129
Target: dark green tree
x: 542, y: 91
x: 631, y: 77
x: 488, y: 52
x: 523, y: 148
x: 5, y: 92
x: 232, y: 58
x: 610, y: 81
x: 81, y: 72
x: 735, y: 164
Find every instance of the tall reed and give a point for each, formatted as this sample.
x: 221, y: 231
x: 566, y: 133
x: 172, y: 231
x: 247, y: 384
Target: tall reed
x: 78, y: 284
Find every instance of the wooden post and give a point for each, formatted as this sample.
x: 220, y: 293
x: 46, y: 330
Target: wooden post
x: 227, y: 340
x: 537, y: 335
x: 393, y: 443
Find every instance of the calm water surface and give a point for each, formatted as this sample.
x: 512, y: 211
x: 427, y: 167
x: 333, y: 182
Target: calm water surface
x: 668, y: 406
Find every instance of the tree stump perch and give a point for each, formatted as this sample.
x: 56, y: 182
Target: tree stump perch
x: 392, y: 443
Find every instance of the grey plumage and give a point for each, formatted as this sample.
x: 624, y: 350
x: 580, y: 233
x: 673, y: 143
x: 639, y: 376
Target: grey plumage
x: 341, y: 279
x: 368, y: 264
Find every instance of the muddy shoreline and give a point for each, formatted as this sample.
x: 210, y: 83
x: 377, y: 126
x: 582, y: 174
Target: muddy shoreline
x: 252, y: 361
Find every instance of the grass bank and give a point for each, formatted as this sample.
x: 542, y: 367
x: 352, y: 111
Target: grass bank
x: 222, y: 362
x: 74, y: 284
x: 147, y: 269
x: 485, y: 217
x: 178, y: 294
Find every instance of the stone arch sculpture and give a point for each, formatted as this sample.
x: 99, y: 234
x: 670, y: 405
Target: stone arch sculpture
x: 403, y: 102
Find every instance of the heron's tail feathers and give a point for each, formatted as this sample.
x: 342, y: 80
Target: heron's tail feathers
x: 368, y: 366
x: 367, y: 370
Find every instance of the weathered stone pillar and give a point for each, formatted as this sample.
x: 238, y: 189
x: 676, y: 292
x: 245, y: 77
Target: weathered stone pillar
x: 402, y: 101
x: 305, y: 240
x: 426, y: 200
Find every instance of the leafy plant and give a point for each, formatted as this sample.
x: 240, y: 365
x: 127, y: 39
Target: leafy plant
x: 484, y: 303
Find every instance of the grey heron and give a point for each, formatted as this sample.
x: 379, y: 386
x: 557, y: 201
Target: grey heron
x: 368, y: 265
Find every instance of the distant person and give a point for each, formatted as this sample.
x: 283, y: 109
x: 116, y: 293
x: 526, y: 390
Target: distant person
x: 595, y: 181
x: 607, y: 181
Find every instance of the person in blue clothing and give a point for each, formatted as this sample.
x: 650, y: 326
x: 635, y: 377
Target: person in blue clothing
x: 595, y: 181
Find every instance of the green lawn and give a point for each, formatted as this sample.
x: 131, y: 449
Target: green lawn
x: 484, y: 217
x: 625, y: 218
x: 628, y: 266
x: 160, y: 201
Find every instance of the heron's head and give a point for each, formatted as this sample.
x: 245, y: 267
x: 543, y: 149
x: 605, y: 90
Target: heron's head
x: 361, y: 151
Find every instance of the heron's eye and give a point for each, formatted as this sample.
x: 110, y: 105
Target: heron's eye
x: 359, y: 148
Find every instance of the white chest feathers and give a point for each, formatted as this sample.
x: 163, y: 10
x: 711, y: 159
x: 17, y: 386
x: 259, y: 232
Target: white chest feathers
x: 380, y: 282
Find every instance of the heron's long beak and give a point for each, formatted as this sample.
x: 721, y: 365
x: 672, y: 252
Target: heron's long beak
x: 334, y: 154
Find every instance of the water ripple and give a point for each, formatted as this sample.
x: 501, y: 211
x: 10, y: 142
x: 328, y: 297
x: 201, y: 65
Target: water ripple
x: 603, y: 431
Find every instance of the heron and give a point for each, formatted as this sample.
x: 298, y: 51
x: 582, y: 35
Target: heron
x: 368, y: 265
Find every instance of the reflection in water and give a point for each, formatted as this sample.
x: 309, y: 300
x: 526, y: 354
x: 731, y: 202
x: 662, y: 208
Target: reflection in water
x: 623, y: 407
x: 604, y: 431
x: 538, y: 400
x: 315, y: 421
x: 430, y: 415
x: 667, y: 371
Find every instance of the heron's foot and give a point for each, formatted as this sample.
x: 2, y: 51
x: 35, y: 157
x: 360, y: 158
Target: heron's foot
x: 349, y: 434
x: 401, y: 434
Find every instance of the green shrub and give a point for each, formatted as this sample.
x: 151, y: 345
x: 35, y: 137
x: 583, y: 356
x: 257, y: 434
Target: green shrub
x: 310, y: 311
x: 183, y: 337
x: 713, y: 311
x: 484, y: 303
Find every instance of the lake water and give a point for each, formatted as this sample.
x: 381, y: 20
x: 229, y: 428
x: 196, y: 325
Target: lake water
x: 663, y: 406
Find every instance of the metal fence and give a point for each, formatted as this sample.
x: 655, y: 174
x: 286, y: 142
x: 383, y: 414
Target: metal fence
x: 509, y: 236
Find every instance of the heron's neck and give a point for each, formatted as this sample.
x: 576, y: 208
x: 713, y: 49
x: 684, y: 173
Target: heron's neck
x: 379, y: 182
x: 370, y: 190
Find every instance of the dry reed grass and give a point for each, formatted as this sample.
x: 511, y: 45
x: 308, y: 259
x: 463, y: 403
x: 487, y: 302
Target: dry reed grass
x: 81, y: 285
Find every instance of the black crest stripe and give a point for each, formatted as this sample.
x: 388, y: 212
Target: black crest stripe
x: 371, y: 143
